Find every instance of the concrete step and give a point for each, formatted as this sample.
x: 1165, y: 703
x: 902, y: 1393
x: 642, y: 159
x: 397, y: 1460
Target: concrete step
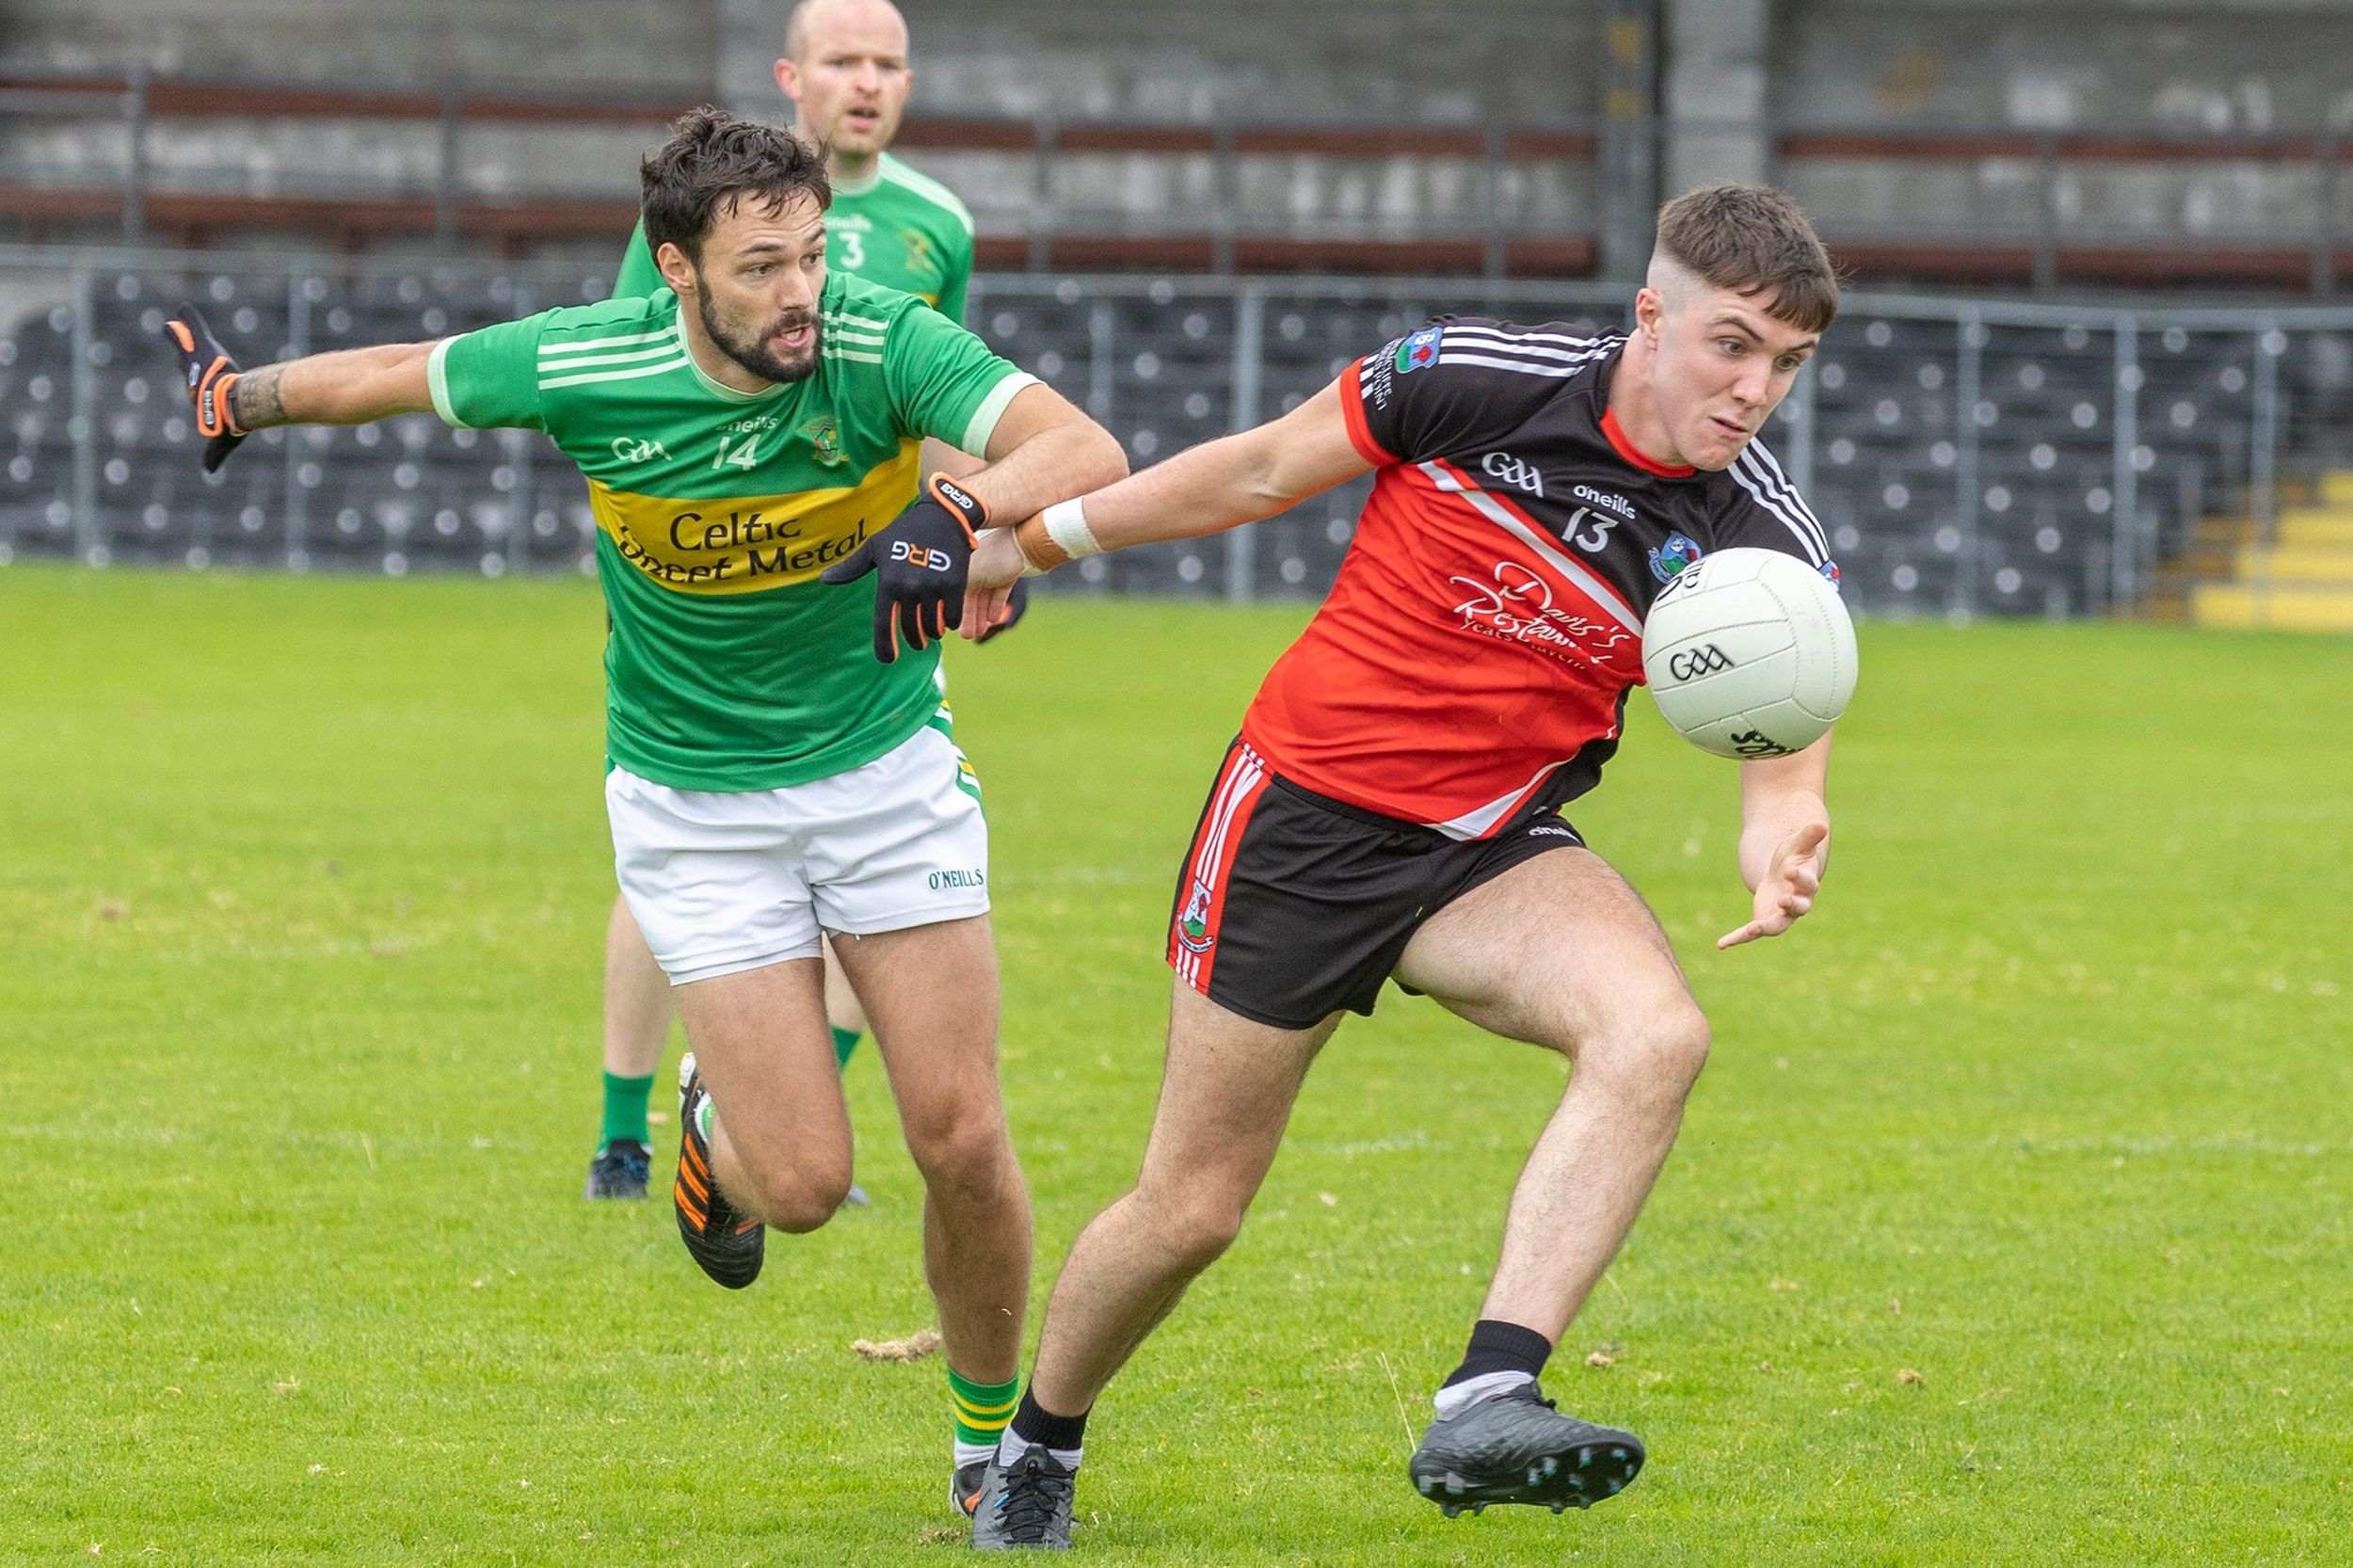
x: 2295, y: 563
x: 2309, y: 607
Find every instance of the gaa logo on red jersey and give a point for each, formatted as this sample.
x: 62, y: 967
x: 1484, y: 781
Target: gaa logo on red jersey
x: 1418, y: 350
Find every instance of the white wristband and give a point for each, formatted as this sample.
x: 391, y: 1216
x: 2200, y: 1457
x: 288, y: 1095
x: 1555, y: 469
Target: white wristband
x: 1066, y: 525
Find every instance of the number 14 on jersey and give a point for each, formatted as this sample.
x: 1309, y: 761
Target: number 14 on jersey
x: 743, y: 456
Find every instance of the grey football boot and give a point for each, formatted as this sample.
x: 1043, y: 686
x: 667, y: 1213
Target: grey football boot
x: 1515, y: 1447
x: 1026, y: 1506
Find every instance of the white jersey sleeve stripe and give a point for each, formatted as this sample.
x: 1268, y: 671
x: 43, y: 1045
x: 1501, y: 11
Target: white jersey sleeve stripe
x: 1770, y: 465
x: 1805, y: 541
x: 549, y: 383
x: 1775, y: 484
x: 1573, y: 348
x: 930, y: 190
x: 587, y: 345
x: 625, y: 357
x: 1526, y: 367
x: 992, y: 409
x: 1526, y: 335
x: 437, y: 380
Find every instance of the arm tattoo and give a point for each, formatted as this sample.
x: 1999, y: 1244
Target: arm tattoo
x: 254, y: 403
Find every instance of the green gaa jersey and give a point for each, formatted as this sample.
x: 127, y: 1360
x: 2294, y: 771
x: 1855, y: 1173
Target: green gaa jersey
x: 730, y: 665
x: 896, y: 228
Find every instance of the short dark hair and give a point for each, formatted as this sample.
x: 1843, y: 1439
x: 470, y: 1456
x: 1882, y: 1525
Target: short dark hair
x: 1752, y: 240
x: 713, y: 164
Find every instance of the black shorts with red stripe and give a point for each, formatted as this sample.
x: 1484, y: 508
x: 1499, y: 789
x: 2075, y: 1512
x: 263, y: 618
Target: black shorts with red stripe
x: 1293, y: 906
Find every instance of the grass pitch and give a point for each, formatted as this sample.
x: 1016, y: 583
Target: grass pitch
x: 2010, y: 1223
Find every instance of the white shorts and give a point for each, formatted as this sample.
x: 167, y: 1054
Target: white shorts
x: 721, y: 882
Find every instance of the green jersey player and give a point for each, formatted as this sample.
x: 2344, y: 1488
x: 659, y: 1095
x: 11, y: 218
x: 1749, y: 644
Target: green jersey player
x: 846, y: 71
x: 893, y: 226
x: 776, y: 762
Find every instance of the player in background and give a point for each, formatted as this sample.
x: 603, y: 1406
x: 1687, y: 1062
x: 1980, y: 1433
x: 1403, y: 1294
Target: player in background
x: 846, y: 71
x: 778, y: 763
x: 1391, y: 808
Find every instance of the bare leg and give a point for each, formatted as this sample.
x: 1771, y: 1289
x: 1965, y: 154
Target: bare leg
x: 933, y: 994
x: 637, y: 1003
x: 1225, y: 1097
x: 781, y: 1150
x: 841, y: 1004
x: 1561, y: 953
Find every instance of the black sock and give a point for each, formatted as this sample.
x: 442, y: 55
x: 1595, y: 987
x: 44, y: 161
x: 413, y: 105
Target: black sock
x: 1497, y: 1346
x: 1041, y: 1428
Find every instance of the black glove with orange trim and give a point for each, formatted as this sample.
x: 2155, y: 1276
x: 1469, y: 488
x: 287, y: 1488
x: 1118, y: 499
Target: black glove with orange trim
x: 209, y: 374
x: 919, y: 562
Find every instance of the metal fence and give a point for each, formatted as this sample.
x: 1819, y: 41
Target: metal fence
x: 1966, y: 456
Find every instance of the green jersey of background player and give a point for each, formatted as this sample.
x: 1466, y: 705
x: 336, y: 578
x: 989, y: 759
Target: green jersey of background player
x: 749, y: 434
x: 846, y: 71
x: 892, y: 226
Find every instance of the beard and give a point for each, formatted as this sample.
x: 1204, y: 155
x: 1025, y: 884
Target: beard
x: 752, y: 350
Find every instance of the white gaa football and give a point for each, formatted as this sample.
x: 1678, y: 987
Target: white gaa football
x: 1750, y: 653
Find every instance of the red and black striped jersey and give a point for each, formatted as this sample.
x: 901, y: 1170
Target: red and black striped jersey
x: 1472, y: 661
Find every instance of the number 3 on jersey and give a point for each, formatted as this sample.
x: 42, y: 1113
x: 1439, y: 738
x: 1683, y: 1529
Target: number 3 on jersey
x: 744, y: 456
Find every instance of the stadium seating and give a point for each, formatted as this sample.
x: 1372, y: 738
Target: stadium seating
x: 1963, y: 459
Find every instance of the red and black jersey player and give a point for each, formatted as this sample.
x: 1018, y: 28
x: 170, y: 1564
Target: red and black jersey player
x: 1391, y: 807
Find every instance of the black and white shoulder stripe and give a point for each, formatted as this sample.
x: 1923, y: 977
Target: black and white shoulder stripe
x: 1557, y: 356
x: 1760, y: 474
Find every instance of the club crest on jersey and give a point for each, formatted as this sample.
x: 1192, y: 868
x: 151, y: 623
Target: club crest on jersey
x: 1668, y: 561
x: 824, y: 440
x: 1192, y: 926
x: 1830, y: 571
x: 1418, y: 350
x: 919, y: 249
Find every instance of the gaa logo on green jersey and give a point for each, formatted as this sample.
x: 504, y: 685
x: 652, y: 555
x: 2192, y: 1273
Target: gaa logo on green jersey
x: 824, y: 436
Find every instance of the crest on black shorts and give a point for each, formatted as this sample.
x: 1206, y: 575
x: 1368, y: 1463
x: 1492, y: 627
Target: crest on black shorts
x: 1192, y: 926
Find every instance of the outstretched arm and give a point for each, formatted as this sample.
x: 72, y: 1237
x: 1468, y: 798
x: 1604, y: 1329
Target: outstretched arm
x: 1785, y: 839
x: 349, y: 386
x: 1220, y: 485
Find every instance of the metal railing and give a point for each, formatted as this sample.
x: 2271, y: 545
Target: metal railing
x: 1965, y: 456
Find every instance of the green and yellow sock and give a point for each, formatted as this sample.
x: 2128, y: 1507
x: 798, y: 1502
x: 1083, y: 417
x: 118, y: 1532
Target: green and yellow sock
x: 625, y: 1108
x: 844, y: 1042
x: 982, y: 1410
